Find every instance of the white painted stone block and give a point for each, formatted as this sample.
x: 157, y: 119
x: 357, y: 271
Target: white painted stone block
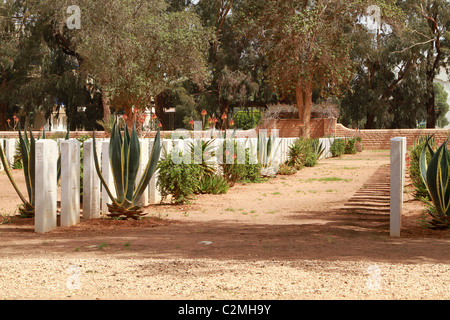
x: 154, y: 196
x: 46, y: 186
x: 252, y: 144
x: 240, y: 152
x: 70, y: 182
x: 10, y: 151
x: 144, y: 148
x: 91, y: 181
x: 397, y: 172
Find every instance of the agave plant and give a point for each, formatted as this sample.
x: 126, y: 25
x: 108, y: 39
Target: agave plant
x: 27, y: 152
x: 435, y: 175
x: 318, y: 148
x: 265, y: 154
x: 207, y: 154
x: 124, y: 157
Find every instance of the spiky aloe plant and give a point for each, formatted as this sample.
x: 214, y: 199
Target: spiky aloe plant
x: 27, y: 151
x: 124, y: 157
x: 207, y: 153
x: 318, y: 148
x: 265, y: 144
x: 435, y: 175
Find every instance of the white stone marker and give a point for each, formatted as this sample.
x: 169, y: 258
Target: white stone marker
x: 70, y: 182
x: 10, y: 151
x: 91, y: 181
x: 144, y: 146
x: 154, y: 196
x: 46, y: 185
x: 108, y: 176
x: 396, y: 184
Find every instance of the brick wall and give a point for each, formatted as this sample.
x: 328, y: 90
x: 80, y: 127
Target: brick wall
x: 290, y: 128
x: 380, y: 138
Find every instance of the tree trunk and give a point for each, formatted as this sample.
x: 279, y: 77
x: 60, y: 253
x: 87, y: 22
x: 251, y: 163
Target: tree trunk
x: 303, y: 95
x: 370, y: 121
x: 431, y: 110
x: 106, y: 108
x: 3, y: 120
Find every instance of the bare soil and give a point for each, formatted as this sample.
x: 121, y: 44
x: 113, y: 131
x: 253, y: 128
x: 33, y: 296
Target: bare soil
x: 322, y: 233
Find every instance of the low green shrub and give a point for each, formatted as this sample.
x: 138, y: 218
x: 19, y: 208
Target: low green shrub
x: 302, y: 153
x: 350, y: 146
x: 413, y: 163
x: 286, y: 170
x: 180, y: 180
x: 337, y: 148
x: 213, y: 184
x: 247, y: 120
x: 238, y: 172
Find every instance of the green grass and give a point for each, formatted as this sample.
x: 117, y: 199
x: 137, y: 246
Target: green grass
x: 102, y: 245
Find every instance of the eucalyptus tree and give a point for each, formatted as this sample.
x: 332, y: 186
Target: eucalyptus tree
x: 135, y: 49
x: 308, y: 45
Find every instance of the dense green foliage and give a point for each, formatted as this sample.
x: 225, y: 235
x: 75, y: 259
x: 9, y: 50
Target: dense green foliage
x: 413, y: 162
x: 303, y: 153
x: 337, y: 147
x: 350, y: 146
x: 178, y: 180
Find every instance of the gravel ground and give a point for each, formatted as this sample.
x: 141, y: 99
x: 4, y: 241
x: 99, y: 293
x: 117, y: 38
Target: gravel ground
x: 61, y: 278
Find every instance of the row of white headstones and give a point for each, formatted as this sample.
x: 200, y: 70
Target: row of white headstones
x: 95, y: 199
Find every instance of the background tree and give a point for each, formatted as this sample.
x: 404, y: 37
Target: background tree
x: 393, y: 86
x: 135, y: 49
x: 308, y: 45
x: 37, y: 74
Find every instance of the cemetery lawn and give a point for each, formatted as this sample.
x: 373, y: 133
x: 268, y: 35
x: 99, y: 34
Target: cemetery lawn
x: 318, y: 234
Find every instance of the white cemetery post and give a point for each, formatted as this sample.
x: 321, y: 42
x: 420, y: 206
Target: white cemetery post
x: 396, y: 184
x: 144, y: 146
x: 70, y: 182
x: 10, y: 151
x: 154, y: 196
x: 91, y: 181
x: 46, y: 185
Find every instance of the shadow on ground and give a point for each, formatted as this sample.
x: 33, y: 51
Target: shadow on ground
x: 357, y: 231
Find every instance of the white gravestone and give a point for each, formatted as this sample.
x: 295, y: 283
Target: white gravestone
x: 397, y: 174
x: 46, y: 185
x: 144, y: 148
x: 10, y: 151
x: 70, y: 182
x: 91, y: 181
x: 154, y: 196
